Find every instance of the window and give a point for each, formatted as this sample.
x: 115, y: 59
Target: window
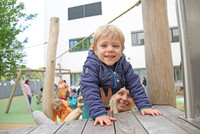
x: 84, y: 11
x: 138, y: 36
x: 81, y: 47
x: 141, y: 73
x: 75, y: 79
x: 178, y: 75
x: 174, y: 34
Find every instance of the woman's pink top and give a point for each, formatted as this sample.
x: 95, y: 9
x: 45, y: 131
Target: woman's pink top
x: 27, y: 89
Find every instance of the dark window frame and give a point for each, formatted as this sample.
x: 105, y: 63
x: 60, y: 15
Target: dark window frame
x: 171, y: 31
x: 88, y: 10
x: 77, y: 40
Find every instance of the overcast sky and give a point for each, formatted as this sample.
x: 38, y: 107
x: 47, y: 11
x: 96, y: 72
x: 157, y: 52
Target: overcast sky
x: 35, y: 55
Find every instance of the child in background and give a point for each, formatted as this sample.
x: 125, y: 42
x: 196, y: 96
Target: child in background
x: 106, y: 67
x: 60, y: 108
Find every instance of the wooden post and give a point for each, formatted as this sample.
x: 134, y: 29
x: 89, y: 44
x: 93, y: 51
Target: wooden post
x: 159, y: 67
x: 47, y: 97
x: 25, y: 95
x: 13, y: 91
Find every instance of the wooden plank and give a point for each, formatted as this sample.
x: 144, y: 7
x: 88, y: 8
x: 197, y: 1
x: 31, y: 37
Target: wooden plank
x: 158, y: 124
x: 73, y: 127
x: 47, y: 128
x: 13, y: 90
x: 91, y: 129
x: 174, y: 115
x: 19, y: 130
x: 127, y: 124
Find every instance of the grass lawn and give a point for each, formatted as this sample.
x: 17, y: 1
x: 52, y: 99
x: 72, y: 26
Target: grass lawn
x: 180, y: 102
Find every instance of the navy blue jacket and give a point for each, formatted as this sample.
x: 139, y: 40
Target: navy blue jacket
x: 97, y: 74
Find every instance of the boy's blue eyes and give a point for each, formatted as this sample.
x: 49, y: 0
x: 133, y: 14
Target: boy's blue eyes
x: 107, y: 45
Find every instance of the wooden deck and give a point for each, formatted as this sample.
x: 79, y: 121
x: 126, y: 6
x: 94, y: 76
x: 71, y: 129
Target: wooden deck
x: 131, y: 122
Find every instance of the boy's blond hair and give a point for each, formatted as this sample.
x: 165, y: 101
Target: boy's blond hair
x: 107, y: 29
x: 57, y: 104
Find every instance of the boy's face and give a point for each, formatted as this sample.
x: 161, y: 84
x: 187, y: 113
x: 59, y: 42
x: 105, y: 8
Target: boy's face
x: 108, y: 50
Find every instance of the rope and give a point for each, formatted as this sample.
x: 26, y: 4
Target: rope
x: 22, y: 48
x: 136, y: 4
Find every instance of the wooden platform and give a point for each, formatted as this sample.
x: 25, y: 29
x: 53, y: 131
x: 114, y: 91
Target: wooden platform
x: 131, y: 122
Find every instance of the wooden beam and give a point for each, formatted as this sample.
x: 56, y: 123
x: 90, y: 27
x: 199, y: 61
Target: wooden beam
x: 159, y: 67
x: 13, y: 90
x: 47, y: 98
x: 69, y: 73
x: 33, y: 70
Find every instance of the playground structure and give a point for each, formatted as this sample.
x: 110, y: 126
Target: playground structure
x: 161, y: 82
x: 19, y: 79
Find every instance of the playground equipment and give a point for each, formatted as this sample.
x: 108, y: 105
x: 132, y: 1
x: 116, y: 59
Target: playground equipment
x: 189, y: 20
x: 19, y: 79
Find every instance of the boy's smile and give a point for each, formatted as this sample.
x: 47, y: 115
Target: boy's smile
x: 108, y: 50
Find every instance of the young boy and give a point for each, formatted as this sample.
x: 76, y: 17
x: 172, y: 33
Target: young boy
x: 106, y: 67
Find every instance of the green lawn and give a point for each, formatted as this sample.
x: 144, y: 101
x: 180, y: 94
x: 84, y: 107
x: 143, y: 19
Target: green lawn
x: 180, y: 102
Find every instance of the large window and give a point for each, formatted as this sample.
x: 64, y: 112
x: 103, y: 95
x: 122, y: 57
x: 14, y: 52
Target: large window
x: 75, y: 79
x: 82, y: 11
x: 178, y: 75
x: 81, y: 47
x: 137, y: 37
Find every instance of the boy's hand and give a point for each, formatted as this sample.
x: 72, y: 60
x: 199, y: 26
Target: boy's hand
x: 104, y: 119
x: 149, y: 111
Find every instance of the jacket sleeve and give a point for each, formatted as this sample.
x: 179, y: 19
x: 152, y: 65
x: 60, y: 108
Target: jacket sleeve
x: 135, y: 88
x: 90, y: 89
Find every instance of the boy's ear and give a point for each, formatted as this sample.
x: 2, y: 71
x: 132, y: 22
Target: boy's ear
x: 93, y: 47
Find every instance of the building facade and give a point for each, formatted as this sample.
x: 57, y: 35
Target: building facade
x: 79, y: 18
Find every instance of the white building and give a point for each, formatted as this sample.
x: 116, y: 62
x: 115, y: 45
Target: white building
x: 80, y: 18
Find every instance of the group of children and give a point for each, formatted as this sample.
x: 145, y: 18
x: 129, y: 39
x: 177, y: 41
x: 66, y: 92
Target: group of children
x: 106, y: 68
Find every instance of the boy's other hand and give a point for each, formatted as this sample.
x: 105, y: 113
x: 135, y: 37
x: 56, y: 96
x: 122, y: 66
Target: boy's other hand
x: 149, y: 111
x: 104, y: 119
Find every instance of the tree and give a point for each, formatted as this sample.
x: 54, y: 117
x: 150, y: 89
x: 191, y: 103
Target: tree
x: 11, y: 15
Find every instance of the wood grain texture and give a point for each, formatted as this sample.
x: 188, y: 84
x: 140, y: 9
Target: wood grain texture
x: 130, y: 122
x: 158, y: 56
x: 173, y: 115
x: 72, y: 127
x: 91, y: 129
x: 25, y: 130
x: 48, y: 94
x: 47, y: 128
x: 127, y: 124
x: 158, y: 124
